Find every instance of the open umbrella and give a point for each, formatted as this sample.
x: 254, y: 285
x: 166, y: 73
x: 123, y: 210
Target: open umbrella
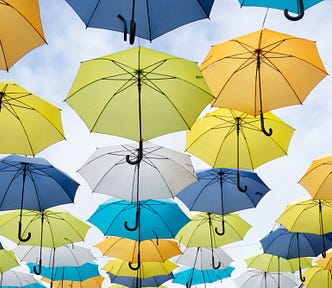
x: 7, y: 260
x: 50, y: 228
x: 317, y: 179
x: 23, y: 115
x: 317, y: 276
x: 162, y: 173
x: 326, y: 262
x: 153, y: 281
x: 146, y: 19
x: 12, y: 278
x: 23, y: 30
x: 93, y: 282
x: 294, y: 6
x: 227, y: 138
x: 262, y: 71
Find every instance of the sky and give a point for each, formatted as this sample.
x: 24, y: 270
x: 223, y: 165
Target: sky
x: 49, y: 71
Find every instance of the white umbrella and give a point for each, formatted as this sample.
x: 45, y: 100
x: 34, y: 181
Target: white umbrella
x: 204, y: 258
x: 16, y: 279
x: 68, y: 255
x: 253, y: 278
x: 162, y: 172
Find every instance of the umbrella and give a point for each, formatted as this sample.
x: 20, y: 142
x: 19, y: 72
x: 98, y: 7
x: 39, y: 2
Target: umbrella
x: 153, y: 281
x: 23, y: 115
x: 33, y: 285
x: 14, y: 278
x: 191, y: 276
x: 34, y: 184
x: 147, y: 20
x: 161, y: 94
x: 326, y: 262
x: 317, y: 179
x: 200, y: 258
x: 289, y: 245
x: 216, y: 191
x: 232, y: 139
x: 298, y: 6
x: 163, y: 172
x: 262, y: 71
x: 7, y: 260
x: 317, y: 276
x: 261, y: 279
x: 93, y: 282
x: 49, y: 228
x: 22, y: 33
x: 151, y: 250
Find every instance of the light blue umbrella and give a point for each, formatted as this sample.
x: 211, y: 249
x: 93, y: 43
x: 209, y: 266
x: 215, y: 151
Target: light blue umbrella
x: 146, y: 19
x: 294, y: 6
x: 191, y: 276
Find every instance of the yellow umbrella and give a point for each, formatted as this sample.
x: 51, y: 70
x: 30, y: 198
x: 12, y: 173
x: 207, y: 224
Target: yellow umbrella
x: 150, y: 250
x: 262, y: 71
x: 318, y: 180
x: 146, y: 269
x: 28, y: 123
x: 7, y: 260
x: 317, y: 277
x: 326, y: 262
x: 93, y: 282
x: 21, y: 30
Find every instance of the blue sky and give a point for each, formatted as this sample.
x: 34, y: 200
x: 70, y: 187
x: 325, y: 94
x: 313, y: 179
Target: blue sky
x: 49, y: 71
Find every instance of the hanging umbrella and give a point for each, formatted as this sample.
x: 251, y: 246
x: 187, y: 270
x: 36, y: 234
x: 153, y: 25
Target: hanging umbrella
x: 33, y: 285
x: 153, y: 281
x: 317, y: 179
x: 201, y: 258
x: 49, y: 228
x: 191, y: 276
x: 298, y: 6
x: 7, y: 260
x: 23, y: 30
x: 151, y: 250
x: 163, y: 172
x: 317, y: 276
x: 227, y: 138
x: 262, y: 71
x: 326, y: 262
x: 93, y: 282
x: 216, y: 191
x: 147, y: 20
x: 23, y: 115
x: 289, y: 245
x: 260, y: 279
x: 34, y: 184
x: 14, y: 278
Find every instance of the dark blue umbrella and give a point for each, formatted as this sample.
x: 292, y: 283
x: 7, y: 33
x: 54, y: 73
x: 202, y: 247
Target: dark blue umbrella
x: 140, y: 282
x: 288, y: 245
x: 146, y: 19
x: 33, y: 184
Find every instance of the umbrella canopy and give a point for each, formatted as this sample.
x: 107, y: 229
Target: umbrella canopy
x: 326, y: 262
x: 260, y: 279
x: 295, y: 6
x: 262, y: 71
x: 162, y: 173
x: 204, y: 258
x: 23, y: 115
x: 66, y: 255
x: 317, y: 179
x: 23, y: 30
x: 7, y: 260
x: 202, y: 230
x: 191, y: 276
x: 157, y: 90
x: 146, y: 269
x: 159, y: 219
x: 12, y: 278
x: 216, y: 191
x: 317, y: 276
x: 147, y: 20
x: 93, y: 282
x: 153, y: 281
x: 150, y: 250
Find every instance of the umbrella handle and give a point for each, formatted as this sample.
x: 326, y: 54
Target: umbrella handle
x: 125, y: 27
x: 301, y: 277
x: 188, y: 284
x: 300, y: 14
x: 132, y: 32
x: 214, y: 264
x: 222, y: 227
x: 38, y: 272
x: 263, y: 126
x: 139, y: 155
x: 324, y: 253
x: 20, y: 236
x: 135, y: 268
x: 136, y: 222
x: 245, y: 188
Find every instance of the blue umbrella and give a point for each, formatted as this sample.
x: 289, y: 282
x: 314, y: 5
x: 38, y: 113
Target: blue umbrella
x: 140, y: 282
x: 192, y: 276
x: 294, y: 6
x: 288, y: 245
x: 146, y: 19
x: 33, y: 184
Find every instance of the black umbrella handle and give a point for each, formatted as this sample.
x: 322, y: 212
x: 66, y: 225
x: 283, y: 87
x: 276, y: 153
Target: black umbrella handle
x: 125, y: 31
x: 300, y: 14
x: 214, y: 265
x: 267, y: 133
x: 39, y: 269
x: 135, y: 268
x: 20, y: 236
x: 139, y: 155
x: 222, y: 227
x: 241, y: 189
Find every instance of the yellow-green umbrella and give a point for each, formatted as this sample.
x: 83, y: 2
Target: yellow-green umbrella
x: 7, y: 260
x: 318, y: 180
x: 93, y: 282
x: 28, y: 123
x: 262, y: 71
x: 146, y: 269
x: 151, y: 250
x: 317, y: 277
x: 139, y: 94
x: 21, y: 32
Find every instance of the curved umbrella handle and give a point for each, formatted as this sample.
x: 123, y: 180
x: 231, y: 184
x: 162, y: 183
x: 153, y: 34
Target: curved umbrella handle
x: 132, y: 32
x: 139, y: 155
x: 324, y: 253
x: 263, y: 126
x: 135, y: 268
x: 38, y: 272
x: 125, y: 31
x: 136, y: 222
x: 301, y: 277
x: 214, y: 264
x: 245, y: 188
x: 20, y: 236
x: 222, y: 228
x: 300, y: 14
x: 188, y: 284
